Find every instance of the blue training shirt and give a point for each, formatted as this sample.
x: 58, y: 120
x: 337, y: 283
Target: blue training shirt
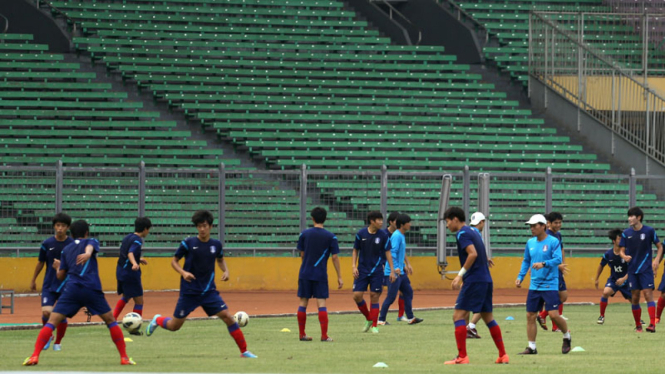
x: 86, y: 274
x: 372, y: 250
x: 50, y: 250
x: 200, y: 260
x: 618, y: 266
x: 479, y: 271
x: 317, y: 244
x: 547, y: 251
x: 131, y: 243
x: 397, y: 251
x: 638, y: 246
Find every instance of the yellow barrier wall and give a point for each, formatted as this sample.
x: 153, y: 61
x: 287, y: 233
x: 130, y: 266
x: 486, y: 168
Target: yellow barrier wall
x: 275, y: 273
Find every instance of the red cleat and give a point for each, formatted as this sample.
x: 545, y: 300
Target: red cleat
x: 458, y: 361
x: 31, y: 361
x: 127, y: 361
x: 503, y: 360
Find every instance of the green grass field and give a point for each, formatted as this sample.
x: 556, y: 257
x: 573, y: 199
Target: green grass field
x: 205, y: 346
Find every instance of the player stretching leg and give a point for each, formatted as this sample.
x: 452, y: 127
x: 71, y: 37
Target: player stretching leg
x: 476, y: 286
x: 128, y: 270
x: 554, y: 220
x: 316, y: 244
x: 373, y: 246
x: 636, y: 249
x: 399, y: 271
x: 197, y: 282
x: 52, y: 287
x: 78, y: 263
x: 542, y: 255
x: 617, y: 280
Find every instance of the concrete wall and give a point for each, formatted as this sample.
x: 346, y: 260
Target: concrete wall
x: 270, y: 273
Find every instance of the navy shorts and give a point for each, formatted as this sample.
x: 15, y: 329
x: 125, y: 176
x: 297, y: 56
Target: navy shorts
x: 475, y: 297
x: 562, y: 282
x: 312, y: 289
x: 536, y: 299
x: 625, y: 291
x: 49, y: 297
x: 211, y: 302
x: 76, y: 296
x: 374, y: 281
x: 641, y: 281
x: 130, y: 285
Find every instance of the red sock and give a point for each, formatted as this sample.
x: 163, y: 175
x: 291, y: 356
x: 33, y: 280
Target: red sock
x: 651, y: 307
x: 238, y: 336
x: 163, y: 322
x: 603, y: 306
x: 62, y: 328
x: 44, y: 335
x: 138, y: 309
x: 374, y: 314
x: 323, y: 320
x: 637, y: 315
x: 543, y: 314
x: 495, y: 331
x: 400, y: 303
x: 661, y: 306
x: 460, y: 337
x: 362, y: 307
x: 118, y: 338
x: 554, y: 326
x: 118, y: 308
x: 302, y: 319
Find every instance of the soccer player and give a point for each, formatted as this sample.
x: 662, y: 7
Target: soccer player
x: 372, y: 245
x: 617, y: 280
x: 636, y: 249
x: 402, y: 282
x: 542, y: 255
x: 128, y: 269
x: 49, y: 254
x: 197, y: 282
x: 392, y: 226
x: 476, y: 285
x: 554, y: 220
x: 316, y: 245
x: 478, y: 223
x: 78, y: 263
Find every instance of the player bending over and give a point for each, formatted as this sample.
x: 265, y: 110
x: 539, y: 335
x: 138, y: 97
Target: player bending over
x: 401, y: 281
x: 542, y: 256
x: 316, y: 244
x: 372, y: 245
x: 197, y: 282
x: 128, y: 269
x: 52, y: 288
x: 618, y: 279
x: 636, y: 249
x: 78, y: 263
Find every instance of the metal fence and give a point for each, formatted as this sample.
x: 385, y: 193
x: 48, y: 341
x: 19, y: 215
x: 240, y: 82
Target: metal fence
x: 262, y: 212
x: 562, y: 58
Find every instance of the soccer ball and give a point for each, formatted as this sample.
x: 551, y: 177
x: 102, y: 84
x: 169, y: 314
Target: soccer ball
x: 132, y: 321
x: 241, y: 318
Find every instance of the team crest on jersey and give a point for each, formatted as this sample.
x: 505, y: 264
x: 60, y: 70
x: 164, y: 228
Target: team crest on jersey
x: 377, y: 240
x: 545, y: 248
x: 643, y: 236
x: 212, y: 249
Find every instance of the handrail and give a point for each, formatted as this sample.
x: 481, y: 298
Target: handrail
x: 6, y: 24
x: 60, y: 12
x: 406, y: 33
x: 461, y: 11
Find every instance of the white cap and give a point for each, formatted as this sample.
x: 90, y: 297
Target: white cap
x: 476, y: 218
x: 537, y: 218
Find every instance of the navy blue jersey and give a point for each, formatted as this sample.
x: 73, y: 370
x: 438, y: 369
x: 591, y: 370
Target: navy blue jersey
x: 131, y: 243
x: 317, y: 244
x: 50, y: 250
x: 387, y: 232
x: 479, y: 271
x: 372, y: 250
x: 86, y: 274
x: 200, y: 260
x: 618, y: 266
x: 557, y: 235
x: 638, y: 246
